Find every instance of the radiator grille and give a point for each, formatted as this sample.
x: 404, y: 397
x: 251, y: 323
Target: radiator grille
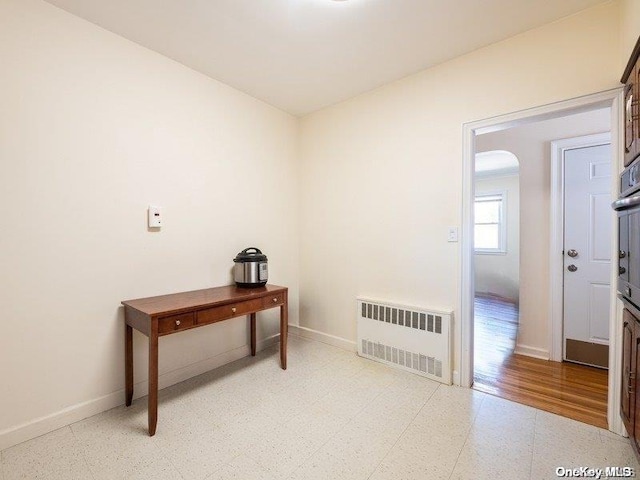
x: 398, y: 316
x: 417, y: 361
x: 411, y: 338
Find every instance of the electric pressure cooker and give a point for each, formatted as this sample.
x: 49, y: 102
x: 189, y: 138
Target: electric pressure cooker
x: 250, y: 269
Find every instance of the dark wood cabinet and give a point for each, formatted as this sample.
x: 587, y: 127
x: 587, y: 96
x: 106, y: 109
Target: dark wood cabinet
x: 630, y: 126
x: 634, y: 392
x: 627, y: 400
x: 631, y: 80
x: 630, y: 386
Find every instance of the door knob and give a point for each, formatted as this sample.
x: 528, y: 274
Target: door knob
x: 622, y: 254
x: 572, y: 268
x: 572, y: 253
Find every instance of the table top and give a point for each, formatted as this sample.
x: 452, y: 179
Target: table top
x: 177, y: 302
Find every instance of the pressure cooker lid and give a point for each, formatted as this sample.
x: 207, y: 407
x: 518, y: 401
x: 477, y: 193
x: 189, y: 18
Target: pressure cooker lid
x: 251, y: 254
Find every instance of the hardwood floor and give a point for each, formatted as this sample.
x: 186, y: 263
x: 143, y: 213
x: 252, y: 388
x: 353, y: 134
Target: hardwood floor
x: 571, y: 390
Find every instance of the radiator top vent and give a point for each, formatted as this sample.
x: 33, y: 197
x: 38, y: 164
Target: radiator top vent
x: 405, y: 318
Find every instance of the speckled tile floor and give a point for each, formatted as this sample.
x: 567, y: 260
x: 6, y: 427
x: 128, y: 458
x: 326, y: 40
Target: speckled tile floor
x: 330, y: 416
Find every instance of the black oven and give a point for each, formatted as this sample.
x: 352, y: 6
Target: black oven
x: 628, y: 208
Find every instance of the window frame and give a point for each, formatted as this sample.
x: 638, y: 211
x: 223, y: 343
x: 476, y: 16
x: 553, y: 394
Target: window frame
x: 502, y: 223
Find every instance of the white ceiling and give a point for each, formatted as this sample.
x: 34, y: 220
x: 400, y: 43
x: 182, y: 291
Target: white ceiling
x: 302, y: 55
x: 496, y: 162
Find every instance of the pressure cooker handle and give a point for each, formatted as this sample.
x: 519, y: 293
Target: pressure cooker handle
x: 257, y: 250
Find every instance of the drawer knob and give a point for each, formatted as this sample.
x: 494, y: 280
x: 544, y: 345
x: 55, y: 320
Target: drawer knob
x: 275, y: 300
x: 178, y: 323
x: 233, y: 309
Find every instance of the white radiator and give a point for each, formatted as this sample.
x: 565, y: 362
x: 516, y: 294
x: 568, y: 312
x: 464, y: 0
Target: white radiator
x: 411, y: 338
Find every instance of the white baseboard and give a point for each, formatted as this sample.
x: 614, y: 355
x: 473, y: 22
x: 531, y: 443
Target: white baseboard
x: 39, y: 426
x: 534, y: 352
x: 322, y: 337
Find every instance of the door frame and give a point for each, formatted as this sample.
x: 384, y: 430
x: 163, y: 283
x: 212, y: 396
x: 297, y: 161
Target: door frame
x: 556, y: 258
x: 464, y: 349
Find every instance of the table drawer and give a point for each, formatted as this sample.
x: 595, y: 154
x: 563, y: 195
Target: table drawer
x: 231, y: 310
x: 175, y: 323
x: 273, y: 300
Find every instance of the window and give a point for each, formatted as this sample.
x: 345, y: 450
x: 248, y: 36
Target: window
x: 490, y: 223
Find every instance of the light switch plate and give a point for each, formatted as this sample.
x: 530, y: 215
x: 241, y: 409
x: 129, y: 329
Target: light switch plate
x: 155, y: 216
x: 452, y: 234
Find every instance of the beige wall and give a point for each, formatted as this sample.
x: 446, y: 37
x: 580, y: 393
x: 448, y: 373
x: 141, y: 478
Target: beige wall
x: 381, y: 174
x: 629, y: 29
x: 499, y: 274
x: 93, y: 129
x: 531, y: 144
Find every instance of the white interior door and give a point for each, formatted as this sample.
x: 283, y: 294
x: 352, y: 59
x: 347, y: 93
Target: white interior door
x: 587, y: 254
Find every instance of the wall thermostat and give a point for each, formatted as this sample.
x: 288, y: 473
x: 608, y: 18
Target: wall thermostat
x: 155, y: 216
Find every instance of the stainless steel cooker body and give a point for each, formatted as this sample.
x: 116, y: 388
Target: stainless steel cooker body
x: 251, y: 268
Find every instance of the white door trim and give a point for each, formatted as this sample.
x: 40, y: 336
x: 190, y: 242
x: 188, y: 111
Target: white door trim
x: 556, y: 265
x: 464, y: 348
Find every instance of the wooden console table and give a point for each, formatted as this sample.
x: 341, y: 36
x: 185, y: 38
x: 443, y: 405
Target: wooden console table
x: 167, y: 314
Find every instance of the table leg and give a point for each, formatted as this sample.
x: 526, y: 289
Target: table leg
x: 284, y: 331
x: 153, y: 378
x: 128, y: 364
x: 253, y: 334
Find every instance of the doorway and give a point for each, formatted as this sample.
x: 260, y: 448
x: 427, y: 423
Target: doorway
x: 528, y: 342
x: 497, y: 264
x: 511, y: 354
